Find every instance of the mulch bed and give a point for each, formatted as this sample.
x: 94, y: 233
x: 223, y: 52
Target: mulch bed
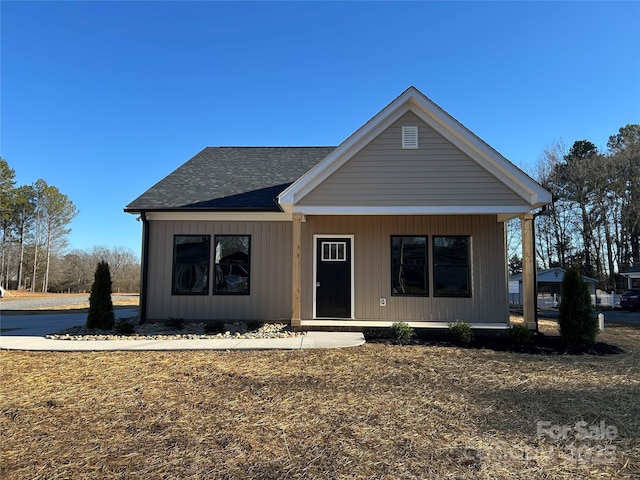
x: 540, y: 344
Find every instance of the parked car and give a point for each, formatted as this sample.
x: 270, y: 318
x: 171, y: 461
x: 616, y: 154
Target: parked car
x: 631, y: 299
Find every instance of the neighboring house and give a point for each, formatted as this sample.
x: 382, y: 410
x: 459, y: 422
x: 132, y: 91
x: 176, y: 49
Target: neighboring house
x: 403, y: 221
x: 632, y: 274
x: 549, y: 284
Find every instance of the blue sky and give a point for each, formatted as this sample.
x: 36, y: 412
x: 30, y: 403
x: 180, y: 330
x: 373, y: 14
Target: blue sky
x: 103, y: 99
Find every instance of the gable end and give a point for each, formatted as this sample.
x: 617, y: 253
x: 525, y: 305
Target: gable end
x: 530, y: 194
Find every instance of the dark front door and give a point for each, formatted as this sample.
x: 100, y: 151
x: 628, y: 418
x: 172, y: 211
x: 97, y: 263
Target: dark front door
x: 333, y: 277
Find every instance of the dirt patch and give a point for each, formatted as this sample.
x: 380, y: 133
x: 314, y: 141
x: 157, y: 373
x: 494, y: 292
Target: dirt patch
x: 131, y: 301
x: 22, y: 302
x: 23, y: 294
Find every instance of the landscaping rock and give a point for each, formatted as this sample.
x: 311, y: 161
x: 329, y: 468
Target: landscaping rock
x: 191, y: 331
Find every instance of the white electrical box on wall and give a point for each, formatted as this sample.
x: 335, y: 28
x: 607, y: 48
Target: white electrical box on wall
x: 383, y: 302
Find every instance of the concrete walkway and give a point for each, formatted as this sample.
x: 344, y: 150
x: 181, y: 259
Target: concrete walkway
x: 308, y: 341
x: 27, y: 332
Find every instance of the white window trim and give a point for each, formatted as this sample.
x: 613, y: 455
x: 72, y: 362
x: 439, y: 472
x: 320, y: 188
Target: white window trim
x: 338, y: 257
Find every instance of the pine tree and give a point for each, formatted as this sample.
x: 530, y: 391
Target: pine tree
x: 100, y: 307
x: 578, y: 323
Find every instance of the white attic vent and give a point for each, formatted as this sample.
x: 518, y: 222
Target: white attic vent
x: 410, y: 137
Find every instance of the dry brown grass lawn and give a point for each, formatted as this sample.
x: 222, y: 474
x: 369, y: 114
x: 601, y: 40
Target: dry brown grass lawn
x: 377, y: 411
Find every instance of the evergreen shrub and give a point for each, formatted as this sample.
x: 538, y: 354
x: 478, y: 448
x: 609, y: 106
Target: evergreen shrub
x: 577, y: 320
x: 100, y: 306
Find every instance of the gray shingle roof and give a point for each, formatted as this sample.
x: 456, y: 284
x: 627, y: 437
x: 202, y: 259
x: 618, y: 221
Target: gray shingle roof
x: 230, y: 178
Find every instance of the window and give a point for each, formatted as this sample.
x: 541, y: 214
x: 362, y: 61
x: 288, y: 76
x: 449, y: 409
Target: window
x: 334, y: 251
x: 232, y: 265
x: 409, y: 266
x: 190, y: 264
x: 451, y: 266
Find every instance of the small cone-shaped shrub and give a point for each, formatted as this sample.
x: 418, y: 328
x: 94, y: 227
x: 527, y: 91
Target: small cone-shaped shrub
x: 578, y: 323
x: 100, y: 306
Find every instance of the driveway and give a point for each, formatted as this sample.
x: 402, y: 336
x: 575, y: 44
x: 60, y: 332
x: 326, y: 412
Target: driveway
x: 615, y: 316
x: 622, y: 316
x: 40, y: 324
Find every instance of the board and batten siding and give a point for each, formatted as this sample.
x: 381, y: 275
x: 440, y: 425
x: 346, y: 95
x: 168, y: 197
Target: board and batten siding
x: 372, y: 267
x: 435, y: 174
x: 270, y: 281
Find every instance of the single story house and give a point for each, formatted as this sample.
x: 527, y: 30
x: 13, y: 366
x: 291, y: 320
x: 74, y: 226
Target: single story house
x: 549, y: 284
x: 403, y: 221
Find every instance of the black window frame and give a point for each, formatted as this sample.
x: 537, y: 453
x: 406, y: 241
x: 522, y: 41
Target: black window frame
x: 442, y: 263
x: 178, y: 262
x: 236, y: 268
x: 400, y: 264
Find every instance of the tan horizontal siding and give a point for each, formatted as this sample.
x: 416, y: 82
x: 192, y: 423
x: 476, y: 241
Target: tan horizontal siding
x: 270, y: 287
x: 435, y: 174
x: 372, y: 257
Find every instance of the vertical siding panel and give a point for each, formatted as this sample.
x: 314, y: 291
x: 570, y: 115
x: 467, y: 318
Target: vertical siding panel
x: 163, y: 274
x: 380, y: 229
x: 271, y: 265
x: 154, y: 247
x: 273, y: 276
x: 381, y: 275
x: 372, y: 290
x: 153, y: 268
x: 280, y: 258
x: 493, y: 284
x: 369, y: 255
x: 484, y: 277
x: 163, y: 287
x: 285, y: 281
x: 268, y: 290
x: 265, y: 253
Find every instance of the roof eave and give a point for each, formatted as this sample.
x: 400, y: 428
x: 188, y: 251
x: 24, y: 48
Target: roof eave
x: 275, y: 209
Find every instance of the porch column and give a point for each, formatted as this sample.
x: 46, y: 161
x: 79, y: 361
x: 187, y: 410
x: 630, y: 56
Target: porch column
x: 296, y: 278
x: 529, y: 302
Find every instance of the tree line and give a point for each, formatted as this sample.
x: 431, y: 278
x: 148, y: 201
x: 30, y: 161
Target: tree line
x: 34, y: 229
x: 593, y: 223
